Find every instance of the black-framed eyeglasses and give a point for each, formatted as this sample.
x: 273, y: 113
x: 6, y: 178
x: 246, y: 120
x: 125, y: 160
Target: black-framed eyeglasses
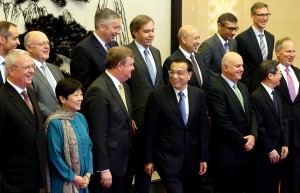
x: 275, y: 73
x: 263, y: 14
x: 231, y: 28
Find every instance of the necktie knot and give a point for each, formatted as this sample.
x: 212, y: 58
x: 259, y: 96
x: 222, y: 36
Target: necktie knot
x: 192, y: 57
x: 261, y: 36
x: 24, y: 94
x: 107, y: 46
x: 181, y: 94
x: 287, y: 70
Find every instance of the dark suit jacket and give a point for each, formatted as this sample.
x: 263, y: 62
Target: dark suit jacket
x: 229, y: 123
x: 22, y: 143
x: 193, y: 81
x: 213, y: 51
x: 271, y: 126
x: 45, y: 94
x: 140, y: 83
x: 110, y: 125
x: 170, y: 143
x: 87, y: 60
x: 291, y: 110
x: 248, y: 48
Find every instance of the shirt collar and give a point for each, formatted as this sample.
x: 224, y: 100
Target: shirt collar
x: 185, y: 53
x: 115, y: 81
x: 269, y: 90
x: 18, y: 89
x: 256, y: 32
x: 221, y: 39
x: 231, y: 83
x: 141, y: 48
x: 100, y: 40
x: 185, y: 91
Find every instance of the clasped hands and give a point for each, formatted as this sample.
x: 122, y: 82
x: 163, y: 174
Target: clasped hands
x: 81, y: 182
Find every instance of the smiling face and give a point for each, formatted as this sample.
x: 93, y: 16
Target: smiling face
x: 145, y: 34
x: 22, y: 72
x: 179, y: 75
x: 109, y: 30
x: 232, y: 66
x: 38, y: 46
x: 126, y: 69
x: 227, y: 30
x: 260, y: 18
x: 286, y: 55
x: 11, y: 41
x: 191, y: 40
x: 73, y: 101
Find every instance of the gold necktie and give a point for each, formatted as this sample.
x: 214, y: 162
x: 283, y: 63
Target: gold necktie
x: 122, y: 93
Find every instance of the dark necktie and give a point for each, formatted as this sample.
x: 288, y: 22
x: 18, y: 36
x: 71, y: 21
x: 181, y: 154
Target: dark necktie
x: 27, y: 100
x: 182, y: 106
x: 196, y: 70
x: 1, y: 78
x: 275, y: 100
x: 226, y: 47
x: 291, y: 85
x: 107, y: 46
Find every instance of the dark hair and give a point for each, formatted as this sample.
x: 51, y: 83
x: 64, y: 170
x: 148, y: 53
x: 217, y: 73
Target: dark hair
x: 184, y: 60
x: 227, y: 17
x: 65, y: 87
x: 117, y: 54
x: 4, y: 28
x: 258, y: 5
x: 268, y: 66
x: 137, y: 23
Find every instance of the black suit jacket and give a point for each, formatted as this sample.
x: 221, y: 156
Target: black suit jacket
x: 193, y: 81
x: 140, y: 83
x: 22, y: 142
x: 110, y: 125
x: 229, y: 123
x: 248, y: 48
x: 169, y: 142
x: 213, y: 51
x: 87, y: 60
x: 271, y: 126
x: 291, y: 110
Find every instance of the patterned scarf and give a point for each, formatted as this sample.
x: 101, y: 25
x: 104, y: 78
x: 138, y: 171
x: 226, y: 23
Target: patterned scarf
x: 70, y: 145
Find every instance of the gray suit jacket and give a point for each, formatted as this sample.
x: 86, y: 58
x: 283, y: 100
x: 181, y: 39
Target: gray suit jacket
x: 213, y: 51
x: 46, y: 96
x: 140, y: 83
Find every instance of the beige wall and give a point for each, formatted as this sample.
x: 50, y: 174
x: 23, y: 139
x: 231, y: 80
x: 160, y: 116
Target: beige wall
x: 284, y: 20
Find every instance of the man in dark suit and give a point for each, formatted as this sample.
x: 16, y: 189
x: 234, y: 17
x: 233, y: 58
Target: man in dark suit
x: 22, y: 135
x: 9, y: 39
x: 272, y: 142
x: 214, y: 48
x: 289, y: 93
x: 189, y: 41
x: 176, y: 125
x: 146, y: 77
x: 87, y: 60
x: 107, y: 107
x: 233, y: 127
x: 46, y: 75
x: 255, y: 45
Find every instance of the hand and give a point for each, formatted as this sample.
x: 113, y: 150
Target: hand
x: 274, y: 156
x: 250, y: 142
x: 134, y: 127
x: 284, y: 152
x: 78, y: 182
x: 203, y: 168
x: 149, y: 168
x: 86, y: 179
x: 105, y: 179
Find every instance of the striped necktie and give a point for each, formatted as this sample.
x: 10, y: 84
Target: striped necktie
x: 262, y: 46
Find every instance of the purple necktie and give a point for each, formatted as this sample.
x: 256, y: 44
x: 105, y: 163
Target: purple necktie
x: 291, y: 85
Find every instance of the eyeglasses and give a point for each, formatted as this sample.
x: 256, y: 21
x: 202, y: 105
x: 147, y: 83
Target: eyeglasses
x: 27, y: 67
x: 46, y: 43
x: 231, y: 29
x: 275, y: 72
x: 179, y: 73
x: 263, y: 14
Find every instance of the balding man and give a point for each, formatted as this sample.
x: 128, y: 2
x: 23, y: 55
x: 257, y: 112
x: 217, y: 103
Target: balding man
x: 9, y: 39
x: 189, y: 41
x: 233, y: 126
x: 46, y: 75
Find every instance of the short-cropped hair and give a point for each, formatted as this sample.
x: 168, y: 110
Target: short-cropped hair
x: 65, y: 87
x: 116, y: 55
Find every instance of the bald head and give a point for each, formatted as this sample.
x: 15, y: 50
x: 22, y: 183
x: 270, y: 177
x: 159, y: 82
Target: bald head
x: 37, y: 44
x: 232, y: 66
x: 189, y: 38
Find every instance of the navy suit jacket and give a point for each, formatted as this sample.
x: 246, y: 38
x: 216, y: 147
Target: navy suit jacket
x: 271, y: 126
x: 291, y: 110
x: 87, y: 60
x: 140, y: 83
x: 170, y: 143
x: 193, y: 81
x: 213, y: 51
x: 229, y: 123
x: 248, y: 48
x: 110, y: 125
x: 22, y: 142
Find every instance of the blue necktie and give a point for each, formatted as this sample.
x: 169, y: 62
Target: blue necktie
x: 150, y: 66
x: 182, y: 106
x: 275, y: 100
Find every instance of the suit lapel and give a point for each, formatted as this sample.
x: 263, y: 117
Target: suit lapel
x: 269, y: 101
x: 44, y: 81
x: 192, y: 106
x: 255, y: 45
x: 18, y: 102
x: 157, y: 63
x: 113, y: 90
x: 54, y: 72
x: 100, y: 49
x: 219, y: 44
x: 174, y: 103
